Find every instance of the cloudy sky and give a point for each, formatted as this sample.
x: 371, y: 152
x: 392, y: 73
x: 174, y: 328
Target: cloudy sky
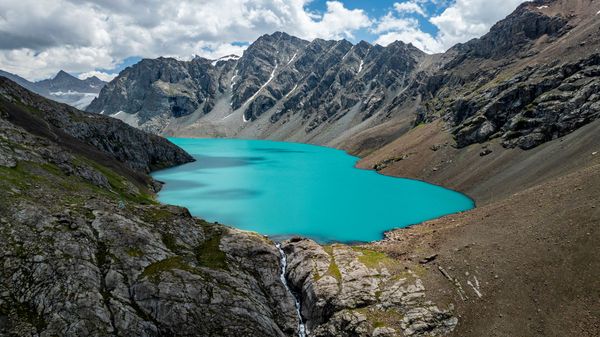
x: 101, y: 37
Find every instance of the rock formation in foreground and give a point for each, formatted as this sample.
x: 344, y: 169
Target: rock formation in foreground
x: 87, y: 251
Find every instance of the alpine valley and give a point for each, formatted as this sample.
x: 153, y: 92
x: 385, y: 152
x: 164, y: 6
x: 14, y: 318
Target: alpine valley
x: 510, y: 119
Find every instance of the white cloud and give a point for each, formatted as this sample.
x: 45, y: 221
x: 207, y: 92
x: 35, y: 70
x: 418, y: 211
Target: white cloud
x: 338, y: 22
x: 40, y: 37
x: 468, y: 19
x: 409, y: 7
x: 418, y: 38
x: 106, y: 77
x: 459, y: 22
x: 399, y: 27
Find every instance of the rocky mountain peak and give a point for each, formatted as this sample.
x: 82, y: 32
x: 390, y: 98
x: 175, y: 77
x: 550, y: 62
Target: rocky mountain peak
x: 94, y: 81
x: 63, y: 75
x: 510, y: 36
x: 277, y: 76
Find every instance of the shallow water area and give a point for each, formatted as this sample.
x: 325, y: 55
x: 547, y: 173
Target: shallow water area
x: 284, y: 189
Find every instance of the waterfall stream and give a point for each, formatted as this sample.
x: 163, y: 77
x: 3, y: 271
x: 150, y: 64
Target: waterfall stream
x: 301, y: 326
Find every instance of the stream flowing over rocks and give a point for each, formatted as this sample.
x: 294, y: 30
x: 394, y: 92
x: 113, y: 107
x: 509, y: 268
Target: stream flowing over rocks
x: 301, y: 326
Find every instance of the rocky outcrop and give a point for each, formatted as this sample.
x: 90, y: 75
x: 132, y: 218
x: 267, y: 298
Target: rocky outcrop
x: 512, y: 35
x: 538, y: 105
x: 354, y: 291
x: 259, y: 63
x: 86, y: 251
x: 138, y: 150
x: 156, y: 89
x: 516, y: 83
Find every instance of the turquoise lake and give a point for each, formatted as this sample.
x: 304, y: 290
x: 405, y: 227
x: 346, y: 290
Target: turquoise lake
x: 285, y: 189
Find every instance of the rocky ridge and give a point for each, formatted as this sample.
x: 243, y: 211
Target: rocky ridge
x: 504, y: 85
x: 63, y: 87
x: 282, y: 87
x: 520, y: 82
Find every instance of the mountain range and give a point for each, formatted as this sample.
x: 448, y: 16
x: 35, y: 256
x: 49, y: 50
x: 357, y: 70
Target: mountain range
x: 63, y: 87
x: 506, y: 84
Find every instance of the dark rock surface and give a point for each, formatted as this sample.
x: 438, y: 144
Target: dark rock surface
x: 161, y: 88
x: 86, y: 251
x: 137, y: 149
x: 518, y: 82
x: 533, y: 107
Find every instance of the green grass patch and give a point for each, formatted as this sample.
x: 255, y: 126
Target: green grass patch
x: 157, y: 215
x: 380, y: 318
x: 333, y: 269
x: 210, y: 255
x: 154, y: 270
x: 23, y: 176
x: 170, y: 242
x: 135, y: 252
x: 373, y: 259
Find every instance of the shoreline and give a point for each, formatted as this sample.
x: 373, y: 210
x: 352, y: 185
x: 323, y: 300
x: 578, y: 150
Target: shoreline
x: 357, y: 160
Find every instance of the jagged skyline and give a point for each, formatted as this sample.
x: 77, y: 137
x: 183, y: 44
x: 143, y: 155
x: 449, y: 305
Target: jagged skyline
x: 100, y: 38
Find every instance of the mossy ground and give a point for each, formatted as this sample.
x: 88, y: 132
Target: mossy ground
x: 208, y: 254
x: 120, y: 186
x: 333, y: 269
x: 377, y: 260
x: 154, y: 270
x: 382, y: 318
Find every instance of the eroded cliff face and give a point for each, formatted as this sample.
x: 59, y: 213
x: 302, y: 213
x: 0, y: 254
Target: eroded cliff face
x: 86, y: 250
x: 533, y: 78
x: 282, y: 88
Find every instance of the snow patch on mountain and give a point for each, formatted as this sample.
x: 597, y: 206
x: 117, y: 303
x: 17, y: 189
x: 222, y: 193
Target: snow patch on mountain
x: 291, y: 91
x: 262, y: 87
x: 79, y: 100
x: 225, y: 59
x: 292, y: 59
x: 131, y: 119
